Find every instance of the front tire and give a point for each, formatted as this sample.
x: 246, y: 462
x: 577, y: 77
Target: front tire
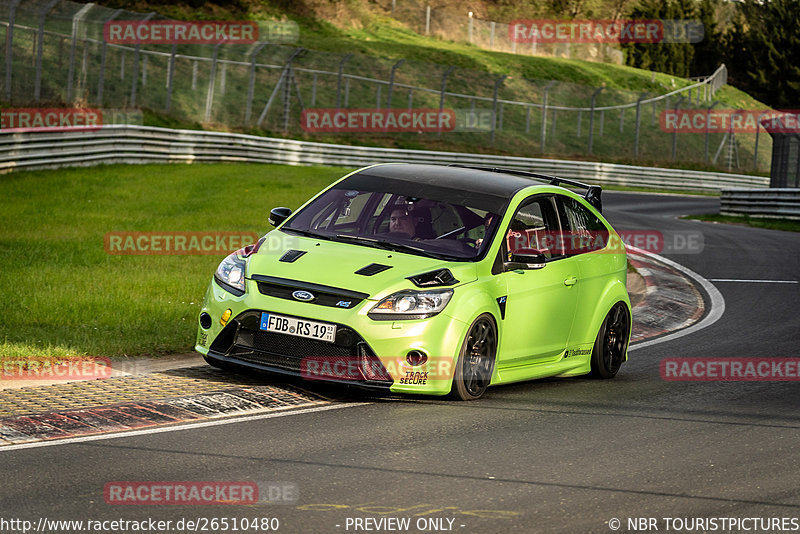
x: 476, y: 360
x: 611, y: 344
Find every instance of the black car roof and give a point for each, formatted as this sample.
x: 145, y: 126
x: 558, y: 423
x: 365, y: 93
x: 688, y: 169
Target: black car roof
x: 457, y: 178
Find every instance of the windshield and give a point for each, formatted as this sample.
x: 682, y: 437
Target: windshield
x: 439, y: 222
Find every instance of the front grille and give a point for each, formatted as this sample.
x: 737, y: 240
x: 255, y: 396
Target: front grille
x: 334, y: 297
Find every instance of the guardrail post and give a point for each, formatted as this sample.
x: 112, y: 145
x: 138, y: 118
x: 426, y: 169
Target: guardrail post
x: 339, y: 80
x: 544, y: 114
x: 708, y: 112
x: 497, y: 84
x: 446, y: 73
x: 40, y: 40
x: 135, y: 73
x: 391, y: 83
x: 591, y: 119
x: 675, y: 133
x: 252, y: 82
x: 103, y: 51
x: 636, y: 131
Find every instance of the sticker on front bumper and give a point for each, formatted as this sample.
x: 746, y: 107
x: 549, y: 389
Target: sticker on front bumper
x: 298, y: 327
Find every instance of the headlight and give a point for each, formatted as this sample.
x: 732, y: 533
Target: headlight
x: 230, y: 274
x: 411, y: 305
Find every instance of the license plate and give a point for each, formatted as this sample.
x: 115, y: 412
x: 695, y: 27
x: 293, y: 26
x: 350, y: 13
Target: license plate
x: 298, y: 327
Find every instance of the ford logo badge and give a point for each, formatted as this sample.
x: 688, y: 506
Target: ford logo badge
x: 304, y: 296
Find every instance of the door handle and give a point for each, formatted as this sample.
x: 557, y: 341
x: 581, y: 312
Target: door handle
x: 570, y: 281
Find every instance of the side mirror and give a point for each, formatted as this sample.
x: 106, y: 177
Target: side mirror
x: 278, y: 215
x: 526, y: 259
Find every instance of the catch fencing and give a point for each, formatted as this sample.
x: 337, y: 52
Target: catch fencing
x: 56, y: 53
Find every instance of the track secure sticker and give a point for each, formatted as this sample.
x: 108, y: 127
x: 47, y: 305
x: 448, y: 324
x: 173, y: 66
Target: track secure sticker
x: 415, y: 378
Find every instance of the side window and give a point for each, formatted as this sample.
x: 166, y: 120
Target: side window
x: 585, y: 232
x: 533, y: 227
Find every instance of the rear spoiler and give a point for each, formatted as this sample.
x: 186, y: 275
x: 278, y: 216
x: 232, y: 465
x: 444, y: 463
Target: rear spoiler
x: 593, y: 192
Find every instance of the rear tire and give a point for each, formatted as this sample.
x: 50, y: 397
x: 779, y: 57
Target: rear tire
x: 475, y: 364
x: 611, y: 344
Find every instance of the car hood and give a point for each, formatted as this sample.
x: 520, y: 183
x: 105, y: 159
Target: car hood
x: 335, y: 264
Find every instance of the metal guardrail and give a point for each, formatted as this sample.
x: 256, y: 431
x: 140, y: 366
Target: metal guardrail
x: 767, y: 203
x: 144, y: 144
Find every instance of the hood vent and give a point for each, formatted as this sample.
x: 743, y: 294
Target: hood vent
x: 439, y: 278
x: 291, y: 256
x: 373, y: 268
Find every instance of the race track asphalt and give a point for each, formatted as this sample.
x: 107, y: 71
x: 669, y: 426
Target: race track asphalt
x: 558, y: 455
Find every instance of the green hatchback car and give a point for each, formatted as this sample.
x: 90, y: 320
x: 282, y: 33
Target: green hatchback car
x: 427, y: 279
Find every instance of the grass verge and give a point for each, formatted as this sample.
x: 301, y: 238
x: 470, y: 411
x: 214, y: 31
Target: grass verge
x: 64, y: 295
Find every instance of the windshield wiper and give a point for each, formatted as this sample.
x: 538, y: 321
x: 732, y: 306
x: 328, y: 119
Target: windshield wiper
x: 307, y: 233
x: 366, y: 241
x: 397, y: 247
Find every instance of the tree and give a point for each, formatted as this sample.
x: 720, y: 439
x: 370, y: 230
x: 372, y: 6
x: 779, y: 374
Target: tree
x: 763, y: 51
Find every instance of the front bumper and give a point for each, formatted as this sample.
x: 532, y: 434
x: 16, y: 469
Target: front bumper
x: 366, y: 353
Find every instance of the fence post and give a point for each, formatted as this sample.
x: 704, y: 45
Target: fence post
x: 591, y: 119
x: 170, y: 74
x: 497, y: 84
x: 211, y: 80
x: 287, y: 87
x: 708, y: 112
x: 314, y: 90
x: 283, y: 79
x: 103, y: 51
x: 602, y: 122
x: 339, y: 80
x: 544, y: 111
x: 252, y: 83
x: 391, y: 83
x: 469, y: 32
x: 12, y: 11
x: 410, y: 99
x: 580, y: 117
x: 636, y: 132
x: 135, y: 73
x: 491, y: 35
x: 75, y: 20
x: 447, y: 73
x: 755, y: 149
x: 675, y: 133
x: 378, y: 96
x: 427, y: 20
x: 40, y: 40
x: 621, y: 119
